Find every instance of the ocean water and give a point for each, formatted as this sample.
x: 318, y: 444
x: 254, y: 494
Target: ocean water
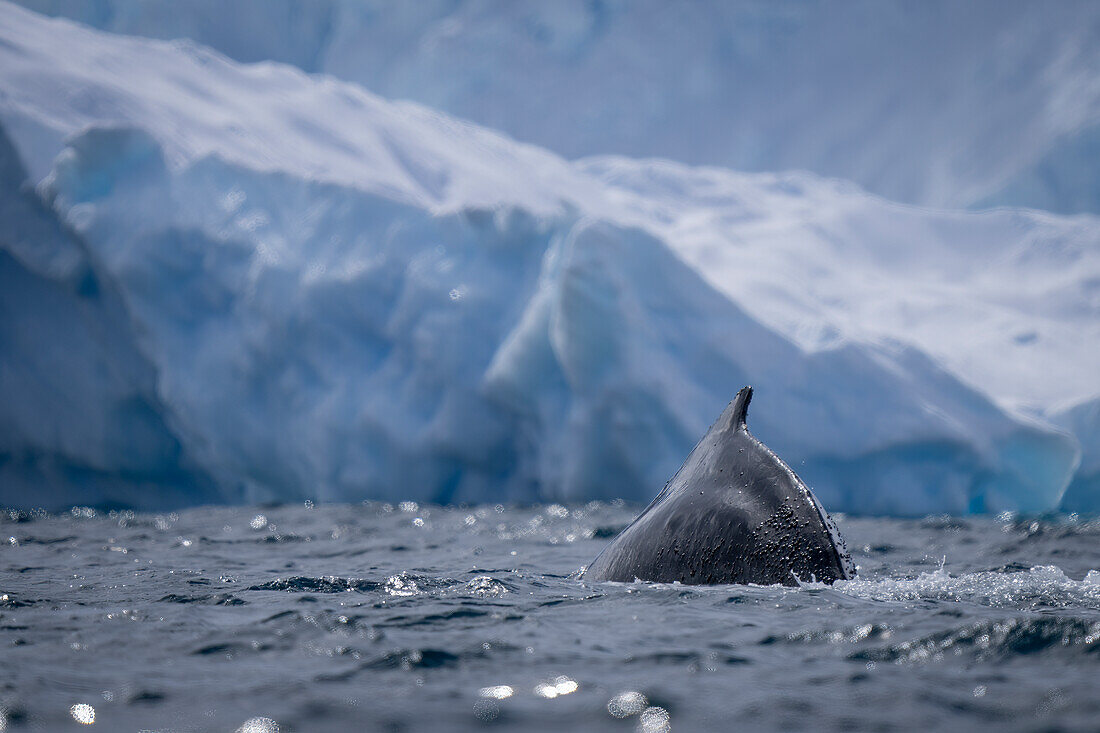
x: 427, y: 618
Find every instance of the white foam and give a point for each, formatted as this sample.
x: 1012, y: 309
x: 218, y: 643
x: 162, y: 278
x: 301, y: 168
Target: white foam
x: 1044, y: 585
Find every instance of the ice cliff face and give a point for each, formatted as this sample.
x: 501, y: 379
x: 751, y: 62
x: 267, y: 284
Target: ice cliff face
x: 1083, y: 420
x: 322, y: 294
x: 956, y: 104
x: 81, y: 417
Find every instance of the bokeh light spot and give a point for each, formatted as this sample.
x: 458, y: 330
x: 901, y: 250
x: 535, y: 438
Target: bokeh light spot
x: 627, y: 703
x: 497, y: 692
x: 259, y: 725
x: 83, y: 713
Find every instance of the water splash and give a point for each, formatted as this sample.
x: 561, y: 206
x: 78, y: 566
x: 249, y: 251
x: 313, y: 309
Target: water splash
x: 1044, y: 586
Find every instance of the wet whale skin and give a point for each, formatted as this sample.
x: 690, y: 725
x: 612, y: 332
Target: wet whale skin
x: 733, y: 513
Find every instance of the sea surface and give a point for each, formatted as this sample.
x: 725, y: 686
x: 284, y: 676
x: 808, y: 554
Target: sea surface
x: 424, y: 618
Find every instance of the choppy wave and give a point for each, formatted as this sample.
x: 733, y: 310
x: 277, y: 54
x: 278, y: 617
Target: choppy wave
x: 451, y: 618
x: 1005, y: 639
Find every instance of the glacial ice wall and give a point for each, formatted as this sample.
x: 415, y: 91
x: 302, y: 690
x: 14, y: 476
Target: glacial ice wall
x: 1083, y: 420
x: 80, y: 418
x: 323, y: 294
x: 956, y: 104
x: 482, y: 355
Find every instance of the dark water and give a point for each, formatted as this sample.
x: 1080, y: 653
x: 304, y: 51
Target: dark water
x: 428, y: 618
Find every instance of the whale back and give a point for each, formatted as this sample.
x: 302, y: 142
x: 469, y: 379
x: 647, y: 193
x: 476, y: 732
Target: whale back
x: 733, y: 513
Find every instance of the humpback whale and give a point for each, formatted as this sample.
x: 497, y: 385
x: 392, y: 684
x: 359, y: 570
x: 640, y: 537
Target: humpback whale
x: 733, y: 513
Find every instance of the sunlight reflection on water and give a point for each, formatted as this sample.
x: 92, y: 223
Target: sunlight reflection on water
x: 557, y: 687
x: 259, y: 725
x: 626, y: 704
x: 83, y: 713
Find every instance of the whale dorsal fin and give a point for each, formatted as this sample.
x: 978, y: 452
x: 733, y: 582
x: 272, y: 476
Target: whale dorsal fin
x: 741, y: 408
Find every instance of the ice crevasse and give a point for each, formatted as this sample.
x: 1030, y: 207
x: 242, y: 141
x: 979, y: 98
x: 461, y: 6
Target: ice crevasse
x: 322, y: 294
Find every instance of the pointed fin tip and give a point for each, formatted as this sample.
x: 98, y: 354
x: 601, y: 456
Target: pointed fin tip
x: 741, y: 408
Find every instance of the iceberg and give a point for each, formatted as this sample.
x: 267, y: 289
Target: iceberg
x: 322, y: 294
x: 1083, y: 421
x: 81, y: 419
x: 934, y: 103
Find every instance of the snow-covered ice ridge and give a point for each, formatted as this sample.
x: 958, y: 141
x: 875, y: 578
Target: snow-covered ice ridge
x: 302, y: 290
x: 937, y: 103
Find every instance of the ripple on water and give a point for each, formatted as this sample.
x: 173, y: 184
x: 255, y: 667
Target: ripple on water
x: 400, y: 585
x: 478, y: 619
x: 397, y: 659
x: 214, y: 599
x: 1005, y: 639
x: 324, y: 584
